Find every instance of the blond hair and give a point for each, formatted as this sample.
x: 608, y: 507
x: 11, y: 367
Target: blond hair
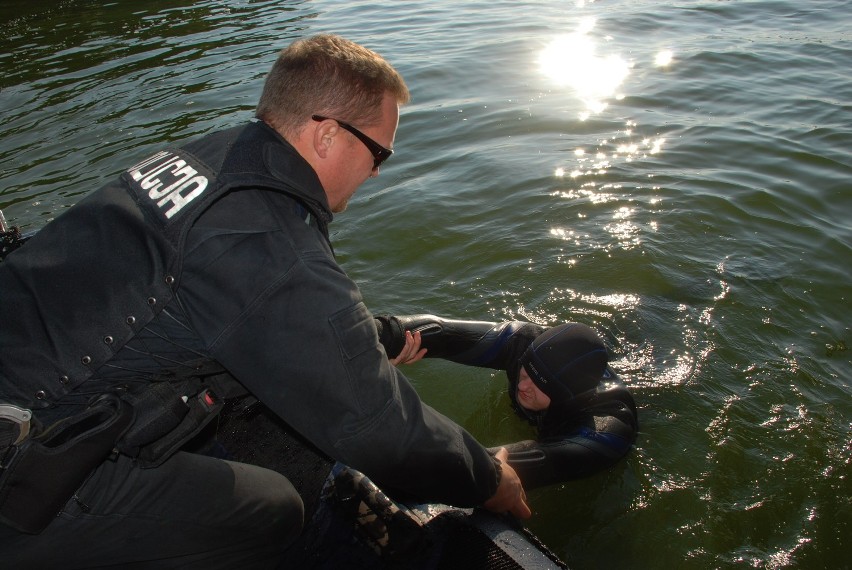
x: 330, y: 76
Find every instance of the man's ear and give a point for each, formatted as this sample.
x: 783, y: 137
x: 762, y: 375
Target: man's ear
x: 324, y: 137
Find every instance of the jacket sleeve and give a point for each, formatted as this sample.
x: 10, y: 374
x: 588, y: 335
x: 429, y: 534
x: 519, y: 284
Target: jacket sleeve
x: 278, y: 312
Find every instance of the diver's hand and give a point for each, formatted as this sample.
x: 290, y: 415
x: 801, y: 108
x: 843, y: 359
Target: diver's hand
x: 510, y: 496
x: 411, y: 352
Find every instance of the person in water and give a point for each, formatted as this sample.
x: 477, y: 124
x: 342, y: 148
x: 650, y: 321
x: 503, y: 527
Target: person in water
x: 206, y: 271
x: 560, y: 381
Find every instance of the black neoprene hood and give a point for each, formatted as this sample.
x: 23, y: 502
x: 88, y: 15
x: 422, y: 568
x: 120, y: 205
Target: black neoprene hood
x: 566, y: 360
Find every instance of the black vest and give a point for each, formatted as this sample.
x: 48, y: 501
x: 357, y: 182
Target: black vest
x: 91, y: 279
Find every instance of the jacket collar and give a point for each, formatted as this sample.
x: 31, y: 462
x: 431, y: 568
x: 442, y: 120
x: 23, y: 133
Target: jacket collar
x: 286, y: 165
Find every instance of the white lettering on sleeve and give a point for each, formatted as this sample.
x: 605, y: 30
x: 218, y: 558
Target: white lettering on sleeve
x: 180, y: 200
x: 151, y: 182
x: 182, y: 172
x: 135, y: 170
x: 169, y: 180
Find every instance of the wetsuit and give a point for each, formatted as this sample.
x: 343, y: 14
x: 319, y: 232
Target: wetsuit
x: 248, y: 284
x: 577, y: 437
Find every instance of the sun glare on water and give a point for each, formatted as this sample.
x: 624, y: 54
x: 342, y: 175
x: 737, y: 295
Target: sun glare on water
x: 663, y: 58
x: 572, y: 60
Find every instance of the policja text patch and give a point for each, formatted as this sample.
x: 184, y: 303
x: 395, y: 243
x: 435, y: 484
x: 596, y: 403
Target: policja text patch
x: 169, y: 181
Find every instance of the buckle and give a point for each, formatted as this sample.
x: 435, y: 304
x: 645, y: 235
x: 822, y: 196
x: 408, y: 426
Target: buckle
x: 19, y: 416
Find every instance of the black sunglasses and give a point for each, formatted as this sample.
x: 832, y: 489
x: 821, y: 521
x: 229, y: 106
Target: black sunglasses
x: 380, y: 153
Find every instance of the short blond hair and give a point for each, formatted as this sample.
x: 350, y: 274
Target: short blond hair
x: 330, y: 76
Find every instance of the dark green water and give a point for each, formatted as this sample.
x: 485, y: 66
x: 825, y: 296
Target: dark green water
x: 676, y: 174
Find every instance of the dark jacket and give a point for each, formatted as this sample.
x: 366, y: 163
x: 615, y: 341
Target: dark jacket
x: 252, y: 285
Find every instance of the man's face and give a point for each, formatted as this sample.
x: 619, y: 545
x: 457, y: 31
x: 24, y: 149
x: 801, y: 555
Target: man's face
x: 529, y: 395
x: 355, y: 161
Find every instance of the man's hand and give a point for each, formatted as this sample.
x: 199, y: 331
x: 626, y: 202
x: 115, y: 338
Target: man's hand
x: 510, y: 496
x: 411, y: 352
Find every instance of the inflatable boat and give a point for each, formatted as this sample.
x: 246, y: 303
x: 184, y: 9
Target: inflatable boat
x: 354, y: 524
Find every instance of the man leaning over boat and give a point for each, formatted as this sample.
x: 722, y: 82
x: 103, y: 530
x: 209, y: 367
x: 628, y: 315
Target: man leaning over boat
x: 203, y: 272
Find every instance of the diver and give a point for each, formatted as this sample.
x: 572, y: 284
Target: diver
x: 560, y: 382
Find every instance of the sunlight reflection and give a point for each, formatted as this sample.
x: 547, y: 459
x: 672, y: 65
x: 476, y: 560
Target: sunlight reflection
x: 571, y: 60
x: 614, y: 302
x: 599, y: 161
x: 626, y: 235
x: 591, y: 192
x: 663, y: 58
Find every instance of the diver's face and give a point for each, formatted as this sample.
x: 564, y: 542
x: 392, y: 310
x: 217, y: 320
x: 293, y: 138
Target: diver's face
x: 530, y: 397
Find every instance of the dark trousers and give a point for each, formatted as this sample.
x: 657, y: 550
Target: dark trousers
x: 193, y: 511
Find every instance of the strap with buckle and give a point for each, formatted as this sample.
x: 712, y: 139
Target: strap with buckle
x: 14, y: 418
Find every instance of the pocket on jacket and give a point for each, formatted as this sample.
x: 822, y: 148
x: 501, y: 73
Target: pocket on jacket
x: 355, y: 330
x: 370, y: 379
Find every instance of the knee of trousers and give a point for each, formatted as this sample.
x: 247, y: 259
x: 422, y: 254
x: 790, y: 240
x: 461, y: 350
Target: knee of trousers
x: 271, y: 505
x: 286, y: 511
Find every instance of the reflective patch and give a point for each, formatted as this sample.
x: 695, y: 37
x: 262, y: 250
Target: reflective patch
x: 169, y: 182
